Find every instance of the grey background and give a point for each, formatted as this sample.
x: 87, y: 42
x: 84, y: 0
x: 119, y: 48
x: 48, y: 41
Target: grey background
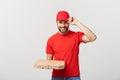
x: 25, y: 26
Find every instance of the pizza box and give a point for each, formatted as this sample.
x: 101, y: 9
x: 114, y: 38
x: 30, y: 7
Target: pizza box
x: 50, y: 64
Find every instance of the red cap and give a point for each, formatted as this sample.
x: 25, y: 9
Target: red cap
x: 62, y: 15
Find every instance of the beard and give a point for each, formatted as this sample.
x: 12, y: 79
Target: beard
x: 63, y: 29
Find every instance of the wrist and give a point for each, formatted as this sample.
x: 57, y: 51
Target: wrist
x: 78, y: 24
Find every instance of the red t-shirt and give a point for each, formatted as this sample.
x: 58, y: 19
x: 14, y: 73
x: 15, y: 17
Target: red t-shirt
x: 65, y: 47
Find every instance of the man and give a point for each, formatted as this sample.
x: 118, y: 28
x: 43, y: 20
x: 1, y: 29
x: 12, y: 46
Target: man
x: 64, y: 46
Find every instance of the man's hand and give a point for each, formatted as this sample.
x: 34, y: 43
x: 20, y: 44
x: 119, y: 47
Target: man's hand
x: 73, y: 21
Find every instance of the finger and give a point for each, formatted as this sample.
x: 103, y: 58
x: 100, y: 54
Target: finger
x: 70, y: 19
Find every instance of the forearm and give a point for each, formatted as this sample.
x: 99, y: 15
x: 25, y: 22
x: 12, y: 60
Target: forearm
x: 89, y: 34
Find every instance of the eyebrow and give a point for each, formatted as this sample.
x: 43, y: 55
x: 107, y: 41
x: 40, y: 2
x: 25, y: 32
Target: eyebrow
x: 62, y: 21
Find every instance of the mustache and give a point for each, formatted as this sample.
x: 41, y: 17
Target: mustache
x: 63, y: 27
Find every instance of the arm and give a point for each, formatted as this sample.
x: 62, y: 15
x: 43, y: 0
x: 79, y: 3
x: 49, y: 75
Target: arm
x: 89, y: 35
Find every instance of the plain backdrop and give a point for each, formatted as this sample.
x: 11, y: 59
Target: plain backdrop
x: 25, y: 26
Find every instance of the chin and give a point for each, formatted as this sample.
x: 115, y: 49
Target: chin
x: 63, y: 32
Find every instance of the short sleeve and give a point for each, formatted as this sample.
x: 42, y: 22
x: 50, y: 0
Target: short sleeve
x: 49, y: 49
x: 80, y: 35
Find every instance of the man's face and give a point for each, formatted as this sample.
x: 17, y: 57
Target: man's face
x: 63, y: 26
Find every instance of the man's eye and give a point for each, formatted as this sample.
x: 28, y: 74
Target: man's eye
x: 65, y: 21
x: 60, y: 21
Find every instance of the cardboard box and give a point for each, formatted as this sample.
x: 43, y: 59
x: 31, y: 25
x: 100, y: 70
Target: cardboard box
x: 50, y: 64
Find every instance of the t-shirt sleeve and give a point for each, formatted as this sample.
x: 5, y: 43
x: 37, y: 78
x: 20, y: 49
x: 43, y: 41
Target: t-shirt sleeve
x: 49, y: 49
x: 80, y: 36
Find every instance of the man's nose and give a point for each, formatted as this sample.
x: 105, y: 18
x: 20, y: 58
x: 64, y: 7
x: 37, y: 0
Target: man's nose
x: 62, y: 25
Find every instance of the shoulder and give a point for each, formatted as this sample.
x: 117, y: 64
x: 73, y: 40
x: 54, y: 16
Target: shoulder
x: 78, y: 35
x: 77, y: 32
x: 52, y: 37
